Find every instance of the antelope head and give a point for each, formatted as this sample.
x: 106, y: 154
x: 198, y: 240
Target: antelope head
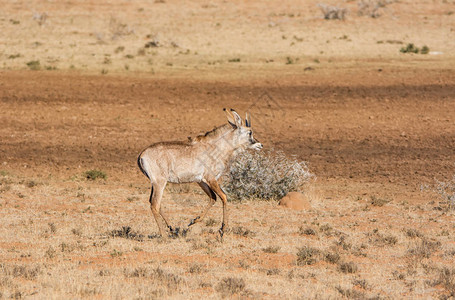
x: 243, y: 132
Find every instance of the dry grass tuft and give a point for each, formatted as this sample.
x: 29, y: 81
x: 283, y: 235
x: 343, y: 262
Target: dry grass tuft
x: 126, y: 233
x: 347, y: 267
x: 375, y: 201
x: 308, y: 256
x: 229, y: 286
x: 424, y: 249
x: 382, y: 240
x: 23, y: 271
x: 271, y: 249
x: 265, y: 175
x: 332, y: 257
x: 307, y: 231
x: 95, y: 174
x: 413, y: 233
x: 351, y: 293
x: 241, y: 231
x: 170, y: 281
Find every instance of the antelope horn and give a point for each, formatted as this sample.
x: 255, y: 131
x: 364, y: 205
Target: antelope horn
x: 230, y: 116
x: 247, y: 120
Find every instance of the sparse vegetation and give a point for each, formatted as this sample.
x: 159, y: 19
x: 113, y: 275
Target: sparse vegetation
x: 348, y: 267
x: 265, y: 175
x: 34, y: 65
x: 372, y: 8
x: 119, y: 29
x: 95, y: 174
x: 229, y: 286
x: 65, y: 236
x: 375, y: 201
x: 241, y: 231
x: 126, y: 233
x: 306, y: 231
x: 352, y: 293
x: 271, y: 249
x: 412, y: 233
x: 307, y: 256
x: 424, y: 249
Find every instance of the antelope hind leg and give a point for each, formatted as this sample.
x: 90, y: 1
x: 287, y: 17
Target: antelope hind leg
x: 155, y: 204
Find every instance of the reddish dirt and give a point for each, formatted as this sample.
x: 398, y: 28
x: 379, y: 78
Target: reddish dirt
x: 368, y: 131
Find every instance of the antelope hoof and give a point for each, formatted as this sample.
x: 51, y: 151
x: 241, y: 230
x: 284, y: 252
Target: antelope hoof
x: 175, y: 233
x: 194, y: 221
x: 221, y: 231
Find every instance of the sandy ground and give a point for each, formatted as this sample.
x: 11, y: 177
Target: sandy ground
x: 376, y: 126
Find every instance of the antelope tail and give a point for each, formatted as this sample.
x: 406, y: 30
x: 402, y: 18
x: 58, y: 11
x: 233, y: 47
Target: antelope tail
x: 140, y: 163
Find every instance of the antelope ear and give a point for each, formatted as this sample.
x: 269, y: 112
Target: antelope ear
x: 230, y: 117
x: 238, y: 119
x: 248, y: 120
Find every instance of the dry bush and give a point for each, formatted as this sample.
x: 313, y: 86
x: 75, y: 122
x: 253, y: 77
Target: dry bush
x: 265, y: 175
x: 372, y: 8
x: 333, y: 12
x: 446, y: 190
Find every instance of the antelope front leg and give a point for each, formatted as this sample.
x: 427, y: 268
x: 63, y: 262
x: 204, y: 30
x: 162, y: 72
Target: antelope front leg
x: 212, y: 201
x: 213, y: 184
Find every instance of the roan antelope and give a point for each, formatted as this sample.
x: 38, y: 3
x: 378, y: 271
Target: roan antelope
x: 201, y: 160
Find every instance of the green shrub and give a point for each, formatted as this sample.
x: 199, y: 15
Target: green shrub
x: 424, y: 50
x: 34, y: 65
x: 411, y: 48
x: 265, y: 175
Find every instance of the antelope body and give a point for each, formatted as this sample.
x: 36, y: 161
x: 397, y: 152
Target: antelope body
x: 201, y: 160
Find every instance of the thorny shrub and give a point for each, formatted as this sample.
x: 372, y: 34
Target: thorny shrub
x: 333, y: 12
x: 265, y: 175
x: 446, y: 190
x: 372, y: 8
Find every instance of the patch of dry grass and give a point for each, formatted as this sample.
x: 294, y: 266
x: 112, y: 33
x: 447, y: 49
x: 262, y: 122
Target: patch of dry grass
x: 113, y: 251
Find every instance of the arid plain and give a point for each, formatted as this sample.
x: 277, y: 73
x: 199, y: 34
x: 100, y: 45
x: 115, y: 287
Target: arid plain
x: 86, y: 85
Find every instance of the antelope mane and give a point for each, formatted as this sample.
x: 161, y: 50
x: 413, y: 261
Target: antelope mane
x: 212, y: 134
